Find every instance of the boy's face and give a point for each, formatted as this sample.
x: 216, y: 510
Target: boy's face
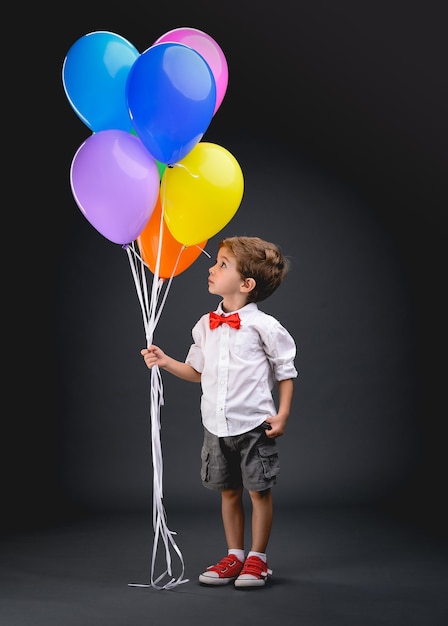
x: 224, y: 279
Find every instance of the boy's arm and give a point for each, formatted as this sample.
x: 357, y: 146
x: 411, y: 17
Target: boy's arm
x: 181, y: 370
x: 285, y: 395
x: 153, y: 355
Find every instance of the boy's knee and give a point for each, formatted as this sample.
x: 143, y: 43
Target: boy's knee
x: 231, y: 494
x: 260, y: 495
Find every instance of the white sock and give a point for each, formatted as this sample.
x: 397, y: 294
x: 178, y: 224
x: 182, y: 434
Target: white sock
x: 261, y: 555
x: 238, y: 553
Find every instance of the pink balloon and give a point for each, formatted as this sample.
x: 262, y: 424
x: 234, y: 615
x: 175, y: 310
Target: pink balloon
x: 207, y: 47
x: 115, y: 183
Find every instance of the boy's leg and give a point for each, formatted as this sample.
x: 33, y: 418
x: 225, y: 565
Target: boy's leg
x: 255, y: 570
x: 262, y: 514
x: 230, y: 566
x: 232, y: 512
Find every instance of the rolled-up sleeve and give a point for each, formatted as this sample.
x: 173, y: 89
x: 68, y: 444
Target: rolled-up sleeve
x: 195, y: 355
x: 281, y: 352
x: 195, y: 358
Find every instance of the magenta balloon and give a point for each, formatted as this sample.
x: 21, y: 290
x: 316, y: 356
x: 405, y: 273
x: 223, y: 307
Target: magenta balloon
x: 115, y: 183
x: 210, y: 51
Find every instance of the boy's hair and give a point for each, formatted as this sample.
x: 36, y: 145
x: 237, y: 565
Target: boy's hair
x: 258, y: 259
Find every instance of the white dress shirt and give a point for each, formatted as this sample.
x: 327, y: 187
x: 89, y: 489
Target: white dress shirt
x: 239, y: 369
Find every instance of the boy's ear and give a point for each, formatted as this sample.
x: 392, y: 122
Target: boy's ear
x: 248, y: 285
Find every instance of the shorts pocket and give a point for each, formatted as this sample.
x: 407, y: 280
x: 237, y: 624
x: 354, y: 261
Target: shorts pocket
x: 269, y: 460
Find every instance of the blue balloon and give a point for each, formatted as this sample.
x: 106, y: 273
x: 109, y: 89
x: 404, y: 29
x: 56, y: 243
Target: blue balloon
x: 171, y: 94
x: 94, y: 76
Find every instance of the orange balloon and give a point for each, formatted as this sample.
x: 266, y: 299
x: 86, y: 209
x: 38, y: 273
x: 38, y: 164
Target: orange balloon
x: 175, y: 257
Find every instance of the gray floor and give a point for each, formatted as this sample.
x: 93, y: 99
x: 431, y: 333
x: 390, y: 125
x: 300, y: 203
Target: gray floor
x: 330, y: 568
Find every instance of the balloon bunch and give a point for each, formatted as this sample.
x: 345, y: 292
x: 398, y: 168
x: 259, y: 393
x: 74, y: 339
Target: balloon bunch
x: 148, y: 114
x: 144, y: 178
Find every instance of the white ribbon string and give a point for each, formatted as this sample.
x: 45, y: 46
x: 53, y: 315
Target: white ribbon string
x: 151, y: 310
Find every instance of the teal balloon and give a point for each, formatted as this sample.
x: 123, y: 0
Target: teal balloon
x: 94, y: 75
x: 171, y: 95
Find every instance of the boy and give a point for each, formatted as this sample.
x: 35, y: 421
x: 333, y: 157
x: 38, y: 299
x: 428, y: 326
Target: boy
x: 238, y: 354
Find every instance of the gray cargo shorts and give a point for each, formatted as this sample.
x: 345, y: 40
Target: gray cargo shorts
x: 250, y: 459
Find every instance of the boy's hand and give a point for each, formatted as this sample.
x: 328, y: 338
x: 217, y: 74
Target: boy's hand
x: 275, y: 427
x: 153, y: 356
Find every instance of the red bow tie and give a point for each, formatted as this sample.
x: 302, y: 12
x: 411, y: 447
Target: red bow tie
x: 232, y: 320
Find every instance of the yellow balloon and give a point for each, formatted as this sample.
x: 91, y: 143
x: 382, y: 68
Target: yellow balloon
x: 201, y: 193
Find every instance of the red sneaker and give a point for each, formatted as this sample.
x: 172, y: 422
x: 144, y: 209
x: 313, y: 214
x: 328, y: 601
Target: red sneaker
x: 254, y: 573
x: 223, y: 572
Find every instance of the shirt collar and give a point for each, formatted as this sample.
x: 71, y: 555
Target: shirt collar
x: 244, y: 312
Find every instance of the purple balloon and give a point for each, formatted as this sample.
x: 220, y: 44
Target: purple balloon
x: 115, y: 182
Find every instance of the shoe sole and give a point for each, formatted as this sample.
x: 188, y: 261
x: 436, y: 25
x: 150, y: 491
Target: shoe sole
x: 249, y: 583
x: 211, y: 580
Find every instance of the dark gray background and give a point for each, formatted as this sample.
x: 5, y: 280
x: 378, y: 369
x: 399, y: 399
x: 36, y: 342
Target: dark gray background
x: 336, y: 112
